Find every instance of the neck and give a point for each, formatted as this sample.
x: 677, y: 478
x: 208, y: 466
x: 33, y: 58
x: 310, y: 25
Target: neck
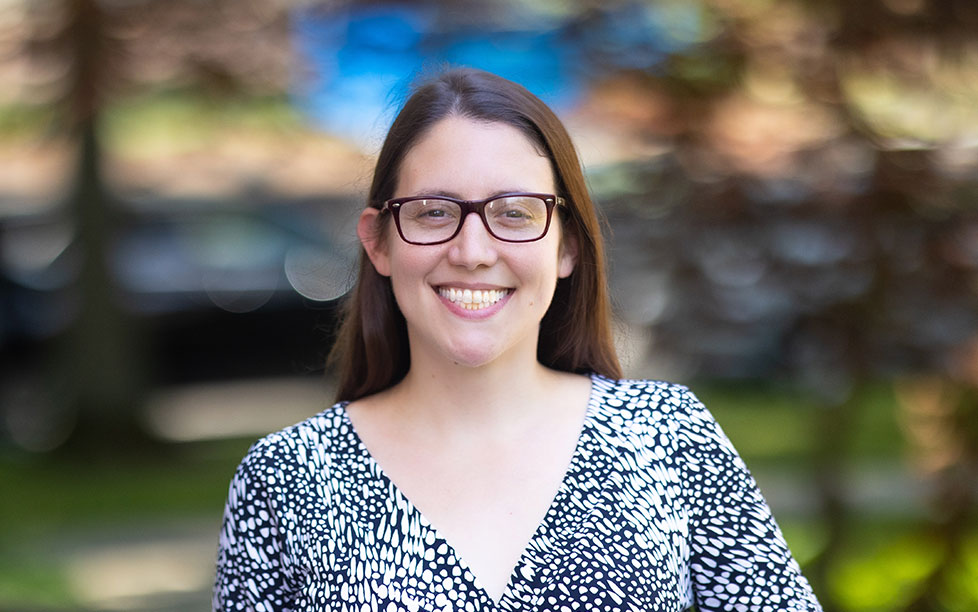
x: 460, y: 400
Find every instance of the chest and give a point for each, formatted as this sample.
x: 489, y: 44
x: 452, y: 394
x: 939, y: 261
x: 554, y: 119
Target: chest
x: 597, y: 559
x: 486, y: 503
x: 607, y: 539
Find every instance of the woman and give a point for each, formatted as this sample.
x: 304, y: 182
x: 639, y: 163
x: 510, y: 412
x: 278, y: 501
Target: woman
x: 483, y: 454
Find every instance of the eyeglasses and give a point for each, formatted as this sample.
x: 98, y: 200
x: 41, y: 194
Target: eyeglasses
x: 511, y: 217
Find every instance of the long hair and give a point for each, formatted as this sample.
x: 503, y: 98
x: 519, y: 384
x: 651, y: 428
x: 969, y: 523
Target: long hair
x: 371, y: 348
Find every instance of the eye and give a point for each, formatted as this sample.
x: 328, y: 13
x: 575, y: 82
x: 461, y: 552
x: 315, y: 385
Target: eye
x: 429, y: 211
x: 517, y: 211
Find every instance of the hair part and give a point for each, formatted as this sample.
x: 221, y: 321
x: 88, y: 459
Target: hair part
x: 371, y: 348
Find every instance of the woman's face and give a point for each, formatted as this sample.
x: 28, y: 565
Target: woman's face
x: 472, y: 160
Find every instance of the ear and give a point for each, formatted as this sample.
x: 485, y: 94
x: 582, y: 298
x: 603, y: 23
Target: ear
x: 373, y: 242
x: 567, y: 258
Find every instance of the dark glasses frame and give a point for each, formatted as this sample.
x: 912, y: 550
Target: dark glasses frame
x: 473, y: 206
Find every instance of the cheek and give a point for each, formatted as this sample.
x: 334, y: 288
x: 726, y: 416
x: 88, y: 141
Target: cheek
x: 410, y: 265
x: 540, y: 266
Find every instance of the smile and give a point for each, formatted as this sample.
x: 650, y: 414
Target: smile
x: 473, y: 299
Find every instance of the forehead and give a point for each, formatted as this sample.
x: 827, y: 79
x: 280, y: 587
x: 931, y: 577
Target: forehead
x: 473, y: 159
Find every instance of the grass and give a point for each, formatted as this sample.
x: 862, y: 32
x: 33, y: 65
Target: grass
x: 885, y: 567
x: 882, y: 566
x: 61, y: 502
x: 771, y: 423
x: 54, y: 493
x: 31, y: 584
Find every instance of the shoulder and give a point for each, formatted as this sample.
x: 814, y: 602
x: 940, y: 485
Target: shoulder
x: 315, y: 440
x: 671, y: 420
x: 643, y: 399
x: 642, y: 407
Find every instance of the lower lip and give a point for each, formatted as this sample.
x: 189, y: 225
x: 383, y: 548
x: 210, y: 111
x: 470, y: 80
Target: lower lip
x: 481, y: 313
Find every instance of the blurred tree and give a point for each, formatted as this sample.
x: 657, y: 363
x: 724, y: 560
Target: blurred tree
x: 99, y: 52
x: 813, y: 189
x: 99, y: 366
x: 798, y: 199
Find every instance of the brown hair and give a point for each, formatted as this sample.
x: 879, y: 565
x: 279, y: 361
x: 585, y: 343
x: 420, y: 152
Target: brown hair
x: 575, y: 334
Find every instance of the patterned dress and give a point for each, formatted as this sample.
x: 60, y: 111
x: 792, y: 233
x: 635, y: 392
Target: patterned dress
x: 656, y: 512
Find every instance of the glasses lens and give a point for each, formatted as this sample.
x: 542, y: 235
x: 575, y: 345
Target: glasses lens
x: 517, y: 217
x: 429, y: 220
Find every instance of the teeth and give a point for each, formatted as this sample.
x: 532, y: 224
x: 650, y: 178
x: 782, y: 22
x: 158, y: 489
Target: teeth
x: 473, y: 299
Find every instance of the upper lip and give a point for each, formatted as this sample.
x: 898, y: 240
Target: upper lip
x: 472, y: 286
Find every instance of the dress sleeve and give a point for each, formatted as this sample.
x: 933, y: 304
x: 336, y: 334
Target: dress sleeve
x: 738, y: 557
x: 252, y: 573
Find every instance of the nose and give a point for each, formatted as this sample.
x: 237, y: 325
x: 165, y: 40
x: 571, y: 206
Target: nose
x: 473, y: 246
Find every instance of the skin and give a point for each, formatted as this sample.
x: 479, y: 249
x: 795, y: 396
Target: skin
x: 479, y: 434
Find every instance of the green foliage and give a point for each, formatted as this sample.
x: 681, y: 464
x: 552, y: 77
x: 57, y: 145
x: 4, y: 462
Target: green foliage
x: 764, y: 422
x: 876, y: 431
x: 805, y: 538
x: 960, y: 593
x: 25, y: 121
x: 31, y: 585
x: 770, y: 423
x: 54, y: 493
x: 887, y: 566
x: 175, y: 122
x: 883, y: 571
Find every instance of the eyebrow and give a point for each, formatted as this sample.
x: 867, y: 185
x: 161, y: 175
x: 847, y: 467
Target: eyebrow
x: 457, y: 196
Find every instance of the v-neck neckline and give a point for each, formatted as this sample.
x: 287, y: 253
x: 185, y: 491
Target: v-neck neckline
x: 521, y: 570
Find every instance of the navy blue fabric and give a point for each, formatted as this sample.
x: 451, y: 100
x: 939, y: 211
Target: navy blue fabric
x: 656, y: 512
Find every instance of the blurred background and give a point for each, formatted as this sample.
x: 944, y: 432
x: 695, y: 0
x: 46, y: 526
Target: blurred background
x: 791, y: 190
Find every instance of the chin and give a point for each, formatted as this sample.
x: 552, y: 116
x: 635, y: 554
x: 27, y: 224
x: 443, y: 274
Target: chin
x: 474, y: 357
x: 469, y: 360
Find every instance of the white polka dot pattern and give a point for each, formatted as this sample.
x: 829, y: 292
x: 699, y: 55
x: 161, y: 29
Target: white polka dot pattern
x: 656, y: 512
